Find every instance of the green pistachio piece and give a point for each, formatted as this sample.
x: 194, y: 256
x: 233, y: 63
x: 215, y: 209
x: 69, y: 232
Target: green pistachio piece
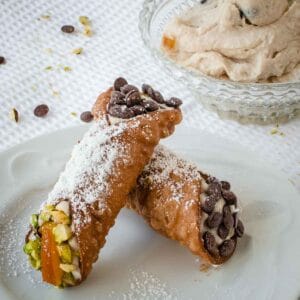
x: 34, y: 220
x: 62, y: 233
x: 68, y: 279
x: 45, y: 216
x: 36, y: 264
x: 34, y: 245
x: 67, y: 268
x: 65, y: 253
x: 60, y: 217
x: 50, y: 207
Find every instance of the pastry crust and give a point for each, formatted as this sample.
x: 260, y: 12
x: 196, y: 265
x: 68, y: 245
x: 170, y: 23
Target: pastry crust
x: 168, y: 196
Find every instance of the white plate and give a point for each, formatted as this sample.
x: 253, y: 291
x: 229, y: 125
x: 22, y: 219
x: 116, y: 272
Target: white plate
x: 137, y: 263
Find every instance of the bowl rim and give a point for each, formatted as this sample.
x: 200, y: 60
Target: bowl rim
x: 144, y: 24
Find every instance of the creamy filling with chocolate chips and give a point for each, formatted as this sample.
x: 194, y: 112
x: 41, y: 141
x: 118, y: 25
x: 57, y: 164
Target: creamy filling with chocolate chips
x: 51, y: 236
x: 220, y: 225
x: 127, y: 101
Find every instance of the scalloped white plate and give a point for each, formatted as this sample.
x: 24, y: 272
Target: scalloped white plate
x: 137, y: 263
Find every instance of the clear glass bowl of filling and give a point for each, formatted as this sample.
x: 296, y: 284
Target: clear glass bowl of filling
x: 246, y: 102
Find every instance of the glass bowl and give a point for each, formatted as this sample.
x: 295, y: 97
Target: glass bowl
x: 246, y: 102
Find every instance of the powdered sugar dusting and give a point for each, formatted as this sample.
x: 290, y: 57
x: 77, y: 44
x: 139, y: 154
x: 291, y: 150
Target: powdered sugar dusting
x: 92, y: 161
x: 144, y: 285
x: 164, y: 164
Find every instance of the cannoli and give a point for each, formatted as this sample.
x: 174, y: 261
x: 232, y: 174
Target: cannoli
x: 188, y: 206
x: 66, y: 235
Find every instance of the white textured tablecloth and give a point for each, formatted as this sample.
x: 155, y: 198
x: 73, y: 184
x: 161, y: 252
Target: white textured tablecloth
x: 30, y: 43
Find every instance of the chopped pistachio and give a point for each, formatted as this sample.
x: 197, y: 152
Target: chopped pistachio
x: 67, y: 69
x: 67, y: 268
x: 45, y: 216
x: 36, y: 264
x: 34, y: 220
x: 77, y: 51
x: 14, y: 115
x: 50, y: 207
x: 34, y: 245
x: 65, y: 253
x: 48, y: 50
x: 62, y: 233
x: 60, y: 217
x: 55, y: 93
x: 45, y: 17
x: 68, y: 279
x: 87, y: 31
x: 274, y: 131
x: 48, y: 68
x: 74, y: 114
x: 84, y: 20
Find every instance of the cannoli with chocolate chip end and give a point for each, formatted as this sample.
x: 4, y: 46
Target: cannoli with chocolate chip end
x: 67, y: 234
x: 188, y: 206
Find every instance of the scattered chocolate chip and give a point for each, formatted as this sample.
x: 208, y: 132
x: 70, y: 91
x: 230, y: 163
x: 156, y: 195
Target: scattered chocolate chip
x: 203, y: 1
x: 119, y: 82
x: 225, y: 185
x: 148, y: 90
x: 214, y: 220
x: 223, y: 232
x: 229, y: 197
x: 138, y: 110
x: 150, y: 105
x: 211, y: 179
x: 173, y: 102
x: 209, y: 204
x: 127, y: 88
x: 2, y: 60
x: 158, y: 97
x: 86, y: 116
x: 41, y: 110
x: 228, y: 220
x: 239, y: 229
x: 68, y: 29
x: 210, y: 243
x: 133, y: 98
x: 117, y: 98
x: 214, y: 189
x: 121, y: 111
x: 227, y: 248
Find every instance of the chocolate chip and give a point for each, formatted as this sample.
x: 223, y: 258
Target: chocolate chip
x: 127, y: 88
x: 133, y: 98
x: 229, y: 197
x: 174, y: 102
x: 209, y: 204
x: 239, y: 229
x: 223, y: 232
x: 214, y: 189
x: 214, y: 220
x: 41, y: 110
x: 225, y: 185
x: 148, y: 90
x: 210, y: 243
x: 211, y: 179
x: 150, y: 105
x: 119, y: 82
x: 2, y: 60
x: 158, y: 97
x: 227, y: 248
x: 228, y: 220
x: 117, y: 98
x: 121, y: 111
x: 86, y: 116
x: 67, y: 28
x: 138, y: 110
